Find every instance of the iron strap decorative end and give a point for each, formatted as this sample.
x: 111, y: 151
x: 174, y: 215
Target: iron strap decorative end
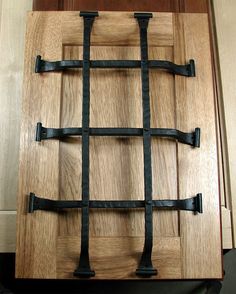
x: 196, y: 141
x: 38, y: 64
x: 191, y: 68
x: 84, y: 273
x: 146, y: 272
x: 198, y: 203
x: 39, y: 128
x: 89, y: 13
x: 32, y: 203
x: 143, y: 15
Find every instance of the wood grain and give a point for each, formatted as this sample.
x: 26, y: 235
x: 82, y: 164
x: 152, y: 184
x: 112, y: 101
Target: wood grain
x: 119, y: 108
x: 122, y: 256
x: 41, y: 102
x: 199, y: 6
x: 118, y: 33
x: 53, y: 169
x: 103, y: 5
x: 195, y: 106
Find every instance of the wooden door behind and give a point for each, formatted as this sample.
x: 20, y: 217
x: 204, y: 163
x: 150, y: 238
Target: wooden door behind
x: 185, y: 245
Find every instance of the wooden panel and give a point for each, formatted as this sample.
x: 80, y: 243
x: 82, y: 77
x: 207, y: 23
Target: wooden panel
x: 123, y: 33
x: 12, y: 27
x: 122, y: 5
x: 195, y: 106
x: 47, y: 5
x: 199, y: 6
x: 192, y: 6
x: 225, y: 27
x: 122, y: 256
x: 7, y: 231
x: 117, y: 164
x: 41, y: 102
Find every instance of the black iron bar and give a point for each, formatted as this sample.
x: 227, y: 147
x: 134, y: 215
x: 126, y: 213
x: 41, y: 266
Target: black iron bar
x: 39, y: 203
x: 145, y: 267
x: 192, y: 139
x: 187, y: 70
x: 84, y: 270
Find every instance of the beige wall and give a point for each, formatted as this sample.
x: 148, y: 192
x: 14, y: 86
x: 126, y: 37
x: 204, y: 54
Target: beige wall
x: 12, y: 27
x: 226, y: 36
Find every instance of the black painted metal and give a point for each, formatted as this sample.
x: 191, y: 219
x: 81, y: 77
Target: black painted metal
x: 39, y: 203
x: 187, y: 70
x: 192, y: 139
x: 84, y: 270
x: 145, y: 268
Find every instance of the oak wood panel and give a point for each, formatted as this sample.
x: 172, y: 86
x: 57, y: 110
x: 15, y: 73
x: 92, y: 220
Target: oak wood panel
x: 195, y: 106
x: 225, y: 29
x: 122, y: 256
x: 52, y: 163
x: 123, y: 33
x: 41, y: 102
x: 200, y: 6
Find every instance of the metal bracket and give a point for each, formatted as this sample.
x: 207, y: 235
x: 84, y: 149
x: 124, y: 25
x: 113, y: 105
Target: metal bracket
x: 192, y: 139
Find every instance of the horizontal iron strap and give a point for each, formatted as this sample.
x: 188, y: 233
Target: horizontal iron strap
x: 47, y: 66
x: 38, y: 203
x: 192, y: 139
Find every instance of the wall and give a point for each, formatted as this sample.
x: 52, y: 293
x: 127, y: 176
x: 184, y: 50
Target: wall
x: 226, y: 37
x: 12, y: 27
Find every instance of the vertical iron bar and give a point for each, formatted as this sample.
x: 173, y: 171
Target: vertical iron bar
x: 84, y: 269
x: 145, y: 266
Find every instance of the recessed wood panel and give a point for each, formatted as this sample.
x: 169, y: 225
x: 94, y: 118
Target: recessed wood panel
x: 185, y: 245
